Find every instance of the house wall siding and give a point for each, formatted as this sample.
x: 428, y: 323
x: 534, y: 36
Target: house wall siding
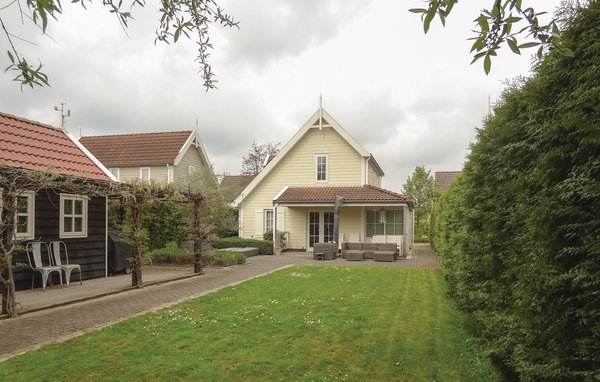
x: 88, y: 252
x: 191, y: 158
x: 298, y: 168
x: 157, y: 173
x: 374, y: 177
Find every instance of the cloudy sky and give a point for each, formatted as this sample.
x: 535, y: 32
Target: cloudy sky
x: 411, y: 99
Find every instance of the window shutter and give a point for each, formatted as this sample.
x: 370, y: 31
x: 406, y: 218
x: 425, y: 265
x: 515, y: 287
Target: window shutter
x: 258, y: 224
x: 280, y: 219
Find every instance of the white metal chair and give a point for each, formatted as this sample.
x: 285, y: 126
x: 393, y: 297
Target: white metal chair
x: 57, y: 248
x: 34, y: 256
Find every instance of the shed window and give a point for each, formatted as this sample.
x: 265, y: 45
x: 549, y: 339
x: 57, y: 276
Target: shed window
x: 321, y: 162
x: 73, y: 215
x: 25, y: 224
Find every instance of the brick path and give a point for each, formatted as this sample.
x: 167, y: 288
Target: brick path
x: 36, y: 329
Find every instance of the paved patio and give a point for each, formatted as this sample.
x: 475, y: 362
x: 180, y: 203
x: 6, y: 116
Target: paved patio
x: 62, y: 313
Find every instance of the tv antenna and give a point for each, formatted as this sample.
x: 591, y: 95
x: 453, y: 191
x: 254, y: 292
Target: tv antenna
x: 63, y: 114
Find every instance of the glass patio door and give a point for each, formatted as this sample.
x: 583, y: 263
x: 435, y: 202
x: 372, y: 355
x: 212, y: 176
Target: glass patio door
x: 313, y: 228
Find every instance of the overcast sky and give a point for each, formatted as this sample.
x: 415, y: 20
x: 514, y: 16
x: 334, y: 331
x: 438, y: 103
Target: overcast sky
x: 410, y: 99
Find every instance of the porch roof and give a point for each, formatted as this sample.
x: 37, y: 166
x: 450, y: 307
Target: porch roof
x: 366, y: 194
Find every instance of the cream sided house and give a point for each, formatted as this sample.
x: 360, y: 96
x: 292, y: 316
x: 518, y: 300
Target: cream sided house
x: 296, y: 190
x: 163, y: 157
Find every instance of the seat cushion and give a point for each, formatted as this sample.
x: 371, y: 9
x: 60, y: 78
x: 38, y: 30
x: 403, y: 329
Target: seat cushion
x: 355, y: 246
x: 370, y: 246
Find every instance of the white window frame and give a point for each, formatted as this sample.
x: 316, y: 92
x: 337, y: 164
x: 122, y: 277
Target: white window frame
x: 116, y: 171
x: 267, y: 227
x: 191, y: 170
x: 84, y: 216
x: 30, y: 234
x: 142, y: 172
x: 170, y: 174
x: 317, y: 167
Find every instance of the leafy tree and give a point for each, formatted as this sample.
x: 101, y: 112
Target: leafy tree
x: 421, y: 187
x: 189, y: 18
x: 504, y: 23
x: 254, y: 161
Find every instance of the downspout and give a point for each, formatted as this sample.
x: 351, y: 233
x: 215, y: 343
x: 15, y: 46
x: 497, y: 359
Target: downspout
x: 367, y: 170
x: 106, y: 236
x: 276, y: 244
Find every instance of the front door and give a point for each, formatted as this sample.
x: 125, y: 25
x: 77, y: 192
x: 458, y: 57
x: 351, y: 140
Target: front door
x: 320, y: 227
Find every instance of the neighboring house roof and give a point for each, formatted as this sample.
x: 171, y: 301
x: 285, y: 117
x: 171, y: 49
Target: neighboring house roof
x: 232, y: 185
x: 351, y: 195
x: 443, y: 179
x: 319, y: 118
x: 37, y: 146
x: 143, y: 149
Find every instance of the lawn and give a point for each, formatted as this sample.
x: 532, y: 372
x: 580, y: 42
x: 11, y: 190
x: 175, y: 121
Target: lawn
x: 302, y: 323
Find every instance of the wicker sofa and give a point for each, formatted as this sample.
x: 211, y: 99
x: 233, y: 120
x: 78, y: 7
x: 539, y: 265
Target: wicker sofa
x: 376, y: 251
x: 329, y: 250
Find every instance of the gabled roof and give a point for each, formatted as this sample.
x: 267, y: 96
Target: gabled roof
x: 352, y: 195
x: 232, y: 185
x: 143, y: 149
x: 443, y: 179
x: 320, y: 118
x: 37, y: 146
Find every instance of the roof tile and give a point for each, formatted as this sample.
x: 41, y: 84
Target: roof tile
x: 144, y: 149
x: 356, y: 194
x: 37, y: 146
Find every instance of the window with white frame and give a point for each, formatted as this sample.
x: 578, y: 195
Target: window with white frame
x: 321, y: 167
x: 385, y: 222
x: 191, y: 170
x: 25, y: 219
x: 268, y: 221
x: 116, y: 171
x: 145, y: 174
x: 73, y: 215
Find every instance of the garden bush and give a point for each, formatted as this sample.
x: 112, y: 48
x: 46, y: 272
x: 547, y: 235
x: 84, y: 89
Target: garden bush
x: 227, y: 258
x: 265, y: 247
x: 518, y: 234
x: 171, y: 254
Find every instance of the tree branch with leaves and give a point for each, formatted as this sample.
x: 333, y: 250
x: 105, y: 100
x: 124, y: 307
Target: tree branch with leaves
x: 191, y: 18
x: 504, y: 23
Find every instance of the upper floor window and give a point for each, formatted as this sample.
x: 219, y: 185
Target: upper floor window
x: 191, y: 170
x: 321, y: 162
x: 73, y: 215
x: 116, y: 172
x: 25, y: 224
x: 145, y: 174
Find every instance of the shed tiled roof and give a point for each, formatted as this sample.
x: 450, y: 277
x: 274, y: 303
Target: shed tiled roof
x: 355, y: 194
x: 444, y: 179
x: 144, y: 149
x: 36, y: 146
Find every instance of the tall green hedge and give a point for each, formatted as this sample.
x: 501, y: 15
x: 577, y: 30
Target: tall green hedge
x: 519, y: 233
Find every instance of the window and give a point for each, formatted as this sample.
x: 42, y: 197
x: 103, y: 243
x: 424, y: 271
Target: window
x: 191, y: 170
x: 268, y: 221
x: 25, y: 224
x: 388, y: 222
x: 321, y: 162
x: 116, y: 172
x: 328, y: 227
x: 145, y: 174
x: 73, y: 215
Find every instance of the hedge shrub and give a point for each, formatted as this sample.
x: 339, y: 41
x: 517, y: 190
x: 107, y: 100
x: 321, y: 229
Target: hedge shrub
x: 265, y: 247
x: 519, y: 233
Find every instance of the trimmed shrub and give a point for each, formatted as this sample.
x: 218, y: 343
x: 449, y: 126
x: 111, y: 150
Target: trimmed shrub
x: 171, y: 254
x: 265, y: 247
x: 227, y: 258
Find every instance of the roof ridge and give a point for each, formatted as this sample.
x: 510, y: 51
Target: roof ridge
x: 133, y: 134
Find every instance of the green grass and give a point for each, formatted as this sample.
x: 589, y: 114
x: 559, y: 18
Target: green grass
x: 302, y: 323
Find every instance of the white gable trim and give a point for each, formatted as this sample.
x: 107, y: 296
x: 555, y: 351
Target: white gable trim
x: 194, y: 139
x: 292, y: 142
x: 91, y: 156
